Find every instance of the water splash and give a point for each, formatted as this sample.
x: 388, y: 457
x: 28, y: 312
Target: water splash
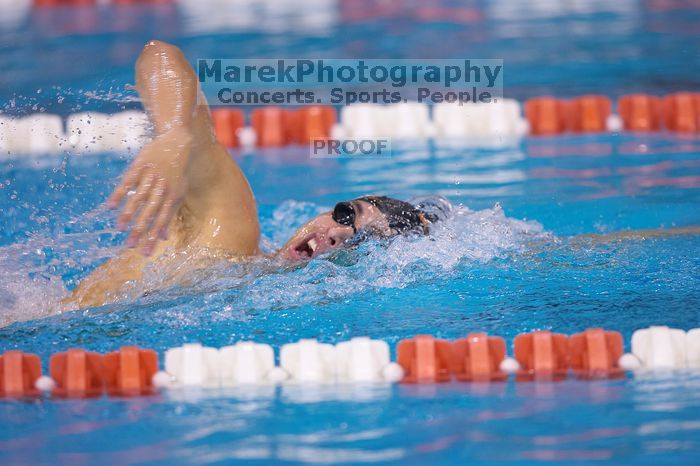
x: 40, y: 269
x: 106, y: 97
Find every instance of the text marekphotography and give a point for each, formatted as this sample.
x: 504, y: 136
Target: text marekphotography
x: 234, y: 82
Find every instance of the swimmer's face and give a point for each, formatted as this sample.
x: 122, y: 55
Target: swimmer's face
x: 331, y: 230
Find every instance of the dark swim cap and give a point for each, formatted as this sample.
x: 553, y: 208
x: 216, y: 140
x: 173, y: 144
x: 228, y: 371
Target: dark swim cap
x: 402, y: 216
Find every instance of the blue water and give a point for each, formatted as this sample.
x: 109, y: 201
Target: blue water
x: 518, y: 256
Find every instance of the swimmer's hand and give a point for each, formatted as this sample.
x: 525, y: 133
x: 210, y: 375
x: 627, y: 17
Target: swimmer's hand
x: 158, y: 179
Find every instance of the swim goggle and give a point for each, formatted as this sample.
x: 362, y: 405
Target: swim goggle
x: 344, y: 214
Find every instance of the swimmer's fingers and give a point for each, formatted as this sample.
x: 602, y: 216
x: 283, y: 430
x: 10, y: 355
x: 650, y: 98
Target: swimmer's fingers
x: 135, y: 202
x: 147, y: 215
x: 159, y: 228
x: 130, y: 180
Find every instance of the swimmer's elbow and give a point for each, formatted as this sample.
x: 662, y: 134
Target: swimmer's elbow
x: 167, y: 85
x: 154, y: 48
x: 161, y: 58
x: 155, y: 44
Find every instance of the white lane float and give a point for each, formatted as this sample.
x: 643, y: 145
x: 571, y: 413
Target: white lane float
x: 485, y: 124
x: 130, y: 130
x: 7, y: 130
x: 364, y: 121
x: 505, y: 119
x: 402, y: 121
x: 306, y: 361
x: 656, y: 348
x: 248, y: 363
x: 41, y: 133
x: 408, y: 120
x: 94, y: 132
x: 364, y: 360
x: 87, y: 132
x: 190, y: 365
x: 309, y: 361
x: 14, y: 13
x: 34, y: 134
x: 692, y: 348
x: 451, y: 120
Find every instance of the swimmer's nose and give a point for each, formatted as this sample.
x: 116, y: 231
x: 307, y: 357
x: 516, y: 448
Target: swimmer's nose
x: 336, y: 236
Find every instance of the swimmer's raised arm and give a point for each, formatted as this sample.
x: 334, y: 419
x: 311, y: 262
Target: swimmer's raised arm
x: 158, y: 174
x: 183, y: 171
x: 183, y: 182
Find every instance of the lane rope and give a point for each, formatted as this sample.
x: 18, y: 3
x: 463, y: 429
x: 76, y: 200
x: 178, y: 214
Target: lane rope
x: 537, y: 356
x: 503, y: 123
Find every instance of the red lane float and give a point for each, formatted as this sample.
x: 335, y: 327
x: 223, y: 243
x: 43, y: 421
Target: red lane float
x: 275, y: 126
x: 639, y: 112
x: 142, y: 2
x: 424, y: 359
x: 546, y: 115
x: 18, y: 374
x: 589, y: 113
x: 77, y: 374
x: 478, y: 357
x: 271, y: 125
x: 227, y: 123
x: 681, y: 112
x: 130, y: 371
x: 542, y: 355
x: 312, y: 123
x: 595, y: 353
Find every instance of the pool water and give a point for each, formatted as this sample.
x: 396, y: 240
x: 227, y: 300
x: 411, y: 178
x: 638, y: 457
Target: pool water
x: 532, y: 245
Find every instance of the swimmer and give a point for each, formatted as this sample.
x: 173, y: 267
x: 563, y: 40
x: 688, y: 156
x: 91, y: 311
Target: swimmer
x: 183, y: 191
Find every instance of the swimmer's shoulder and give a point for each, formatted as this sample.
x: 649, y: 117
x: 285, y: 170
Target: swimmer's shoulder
x: 219, y: 209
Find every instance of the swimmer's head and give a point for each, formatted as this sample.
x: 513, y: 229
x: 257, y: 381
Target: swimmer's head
x: 368, y: 216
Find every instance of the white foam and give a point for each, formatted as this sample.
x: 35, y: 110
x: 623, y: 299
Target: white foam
x: 468, y: 237
x: 32, y: 291
x: 32, y: 286
x: 27, y: 291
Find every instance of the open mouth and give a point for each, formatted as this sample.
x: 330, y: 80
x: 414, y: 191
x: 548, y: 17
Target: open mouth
x: 307, y: 248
